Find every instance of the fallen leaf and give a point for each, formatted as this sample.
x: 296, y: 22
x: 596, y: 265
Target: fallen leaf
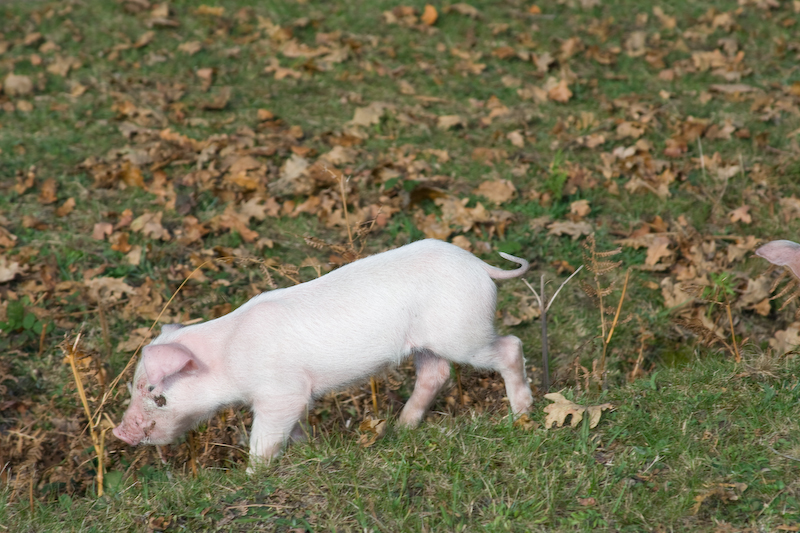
x: 560, y: 92
x: 558, y: 412
x: 9, y: 269
x: 497, y: 191
x: 190, y: 47
x: 580, y: 208
x: 741, y: 214
x: 464, y: 9
x: 17, y: 85
x: 149, y: 224
x: 657, y: 249
x: 784, y: 340
x: 429, y: 15
x: 445, y: 122
x: 47, y: 193
x: 574, y: 229
x: 516, y: 138
x: 372, y: 429
x: 66, y: 208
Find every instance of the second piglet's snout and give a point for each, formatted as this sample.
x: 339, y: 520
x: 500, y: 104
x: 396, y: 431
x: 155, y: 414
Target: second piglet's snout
x: 283, y: 348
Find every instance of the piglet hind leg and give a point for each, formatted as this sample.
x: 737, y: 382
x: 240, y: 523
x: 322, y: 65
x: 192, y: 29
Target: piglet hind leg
x: 432, y: 373
x: 274, y: 422
x: 505, y: 355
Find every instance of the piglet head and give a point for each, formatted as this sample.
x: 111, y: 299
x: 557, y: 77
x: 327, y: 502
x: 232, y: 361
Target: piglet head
x: 160, y: 410
x: 782, y: 253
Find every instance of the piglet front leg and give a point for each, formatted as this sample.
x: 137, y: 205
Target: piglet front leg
x: 274, y: 419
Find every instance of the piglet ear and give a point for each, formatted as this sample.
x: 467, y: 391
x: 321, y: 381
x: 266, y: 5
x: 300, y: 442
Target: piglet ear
x: 164, y: 360
x: 782, y: 253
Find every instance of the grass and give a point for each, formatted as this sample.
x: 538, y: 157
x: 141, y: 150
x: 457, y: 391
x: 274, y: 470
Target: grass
x: 658, y: 460
x: 689, y: 433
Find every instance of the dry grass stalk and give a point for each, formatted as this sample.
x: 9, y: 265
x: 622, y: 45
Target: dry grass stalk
x: 96, y: 432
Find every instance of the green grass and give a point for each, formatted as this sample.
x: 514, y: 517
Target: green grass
x: 694, y: 422
x: 673, y: 437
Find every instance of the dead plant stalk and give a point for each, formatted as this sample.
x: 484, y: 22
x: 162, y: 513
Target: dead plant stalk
x: 98, y: 439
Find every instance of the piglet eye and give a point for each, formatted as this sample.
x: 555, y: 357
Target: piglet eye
x: 151, y: 388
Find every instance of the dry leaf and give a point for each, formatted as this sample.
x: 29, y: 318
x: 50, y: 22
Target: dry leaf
x: 17, y: 85
x: 66, y: 208
x: 516, y: 138
x: 429, y: 15
x: 784, y: 340
x: 445, y: 122
x: 47, y: 193
x: 741, y: 214
x: 574, y: 229
x: 580, y: 208
x: 497, y: 191
x: 558, y: 412
x: 9, y: 269
x: 560, y: 92
x: 372, y: 429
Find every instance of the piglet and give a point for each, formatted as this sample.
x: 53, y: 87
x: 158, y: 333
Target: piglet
x: 782, y: 253
x: 283, y: 348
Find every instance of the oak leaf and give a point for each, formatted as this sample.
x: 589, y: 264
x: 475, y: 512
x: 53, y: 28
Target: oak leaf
x: 558, y: 412
x: 573, y: 229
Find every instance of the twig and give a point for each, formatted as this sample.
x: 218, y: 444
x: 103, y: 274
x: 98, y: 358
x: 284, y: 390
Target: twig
x: 544, y: 307
x: 773, y: 450
x: 545, y: 350
x: 562, y: 286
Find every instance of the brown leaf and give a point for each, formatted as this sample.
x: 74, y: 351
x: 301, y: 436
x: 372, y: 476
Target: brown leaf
x: 47, y: 193
x: 220, y: 100
x: 445, y: 122
x: 783, y: 341
x: 558, y: 412
x: 102, y: 230
x: 740, y: 214
x: 574, y: 229
x: 10, y: 269
x: 144, y: 39
x: 190, y: 47
x: 209, y: 10
x: 66, y: 208
x: 497, y: 191
x: 657, y: 249
x: 516, y: 138
x: 580, y: 208
x: 560, y: 92
x: 464, y: 9
x: 149, y: 224
x: 372, y: 429
x: 17, y: 85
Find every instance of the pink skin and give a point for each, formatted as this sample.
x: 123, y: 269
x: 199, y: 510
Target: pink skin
x: 283, y: 348
x: 782, y: 253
